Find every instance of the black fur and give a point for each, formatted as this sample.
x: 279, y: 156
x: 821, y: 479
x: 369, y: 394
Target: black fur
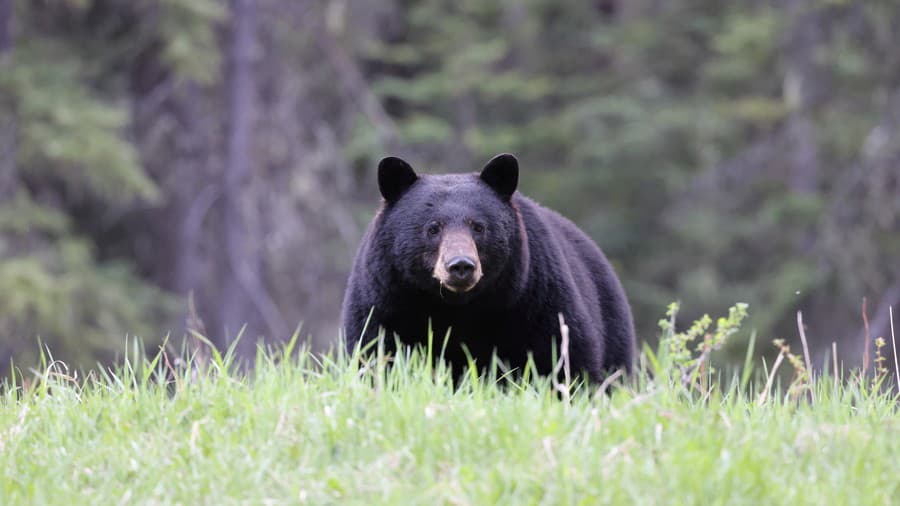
x: 535, y: 264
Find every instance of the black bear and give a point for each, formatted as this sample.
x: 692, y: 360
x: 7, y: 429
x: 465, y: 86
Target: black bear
x: 466, y: 252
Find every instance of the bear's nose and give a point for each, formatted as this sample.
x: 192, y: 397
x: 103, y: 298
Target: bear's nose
x: 461, y: 269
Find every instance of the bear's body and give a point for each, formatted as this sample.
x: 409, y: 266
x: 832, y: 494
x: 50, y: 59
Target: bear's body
x: 466, y: 252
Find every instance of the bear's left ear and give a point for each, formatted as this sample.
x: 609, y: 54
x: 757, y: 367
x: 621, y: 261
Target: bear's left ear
x: 395, y: 176
x: 502, y: 174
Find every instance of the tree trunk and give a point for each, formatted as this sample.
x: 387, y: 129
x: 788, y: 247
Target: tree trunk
x: 357, y: 89
x: 802, y: 88
x: 5, y: 25
x: 7, y: 120
x: 181, y: 160
x: 245, y: 300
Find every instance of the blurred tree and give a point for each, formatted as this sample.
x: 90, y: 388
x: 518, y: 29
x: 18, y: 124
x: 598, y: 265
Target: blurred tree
x: 699, y: 142
x: 70, y: 172
x: 244, y: 298
x: 7, y: 123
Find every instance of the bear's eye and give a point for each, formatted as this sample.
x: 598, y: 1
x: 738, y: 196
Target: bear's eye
x: 478, y: 228
x: 434, y: 228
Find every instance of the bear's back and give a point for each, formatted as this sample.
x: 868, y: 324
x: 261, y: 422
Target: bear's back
x: 568, y: 252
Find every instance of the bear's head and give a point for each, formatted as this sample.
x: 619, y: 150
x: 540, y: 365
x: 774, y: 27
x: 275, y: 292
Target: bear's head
x: 449, y: 235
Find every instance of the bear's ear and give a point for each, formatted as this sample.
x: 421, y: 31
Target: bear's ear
x: 502, y: 174
x: 395, y: 176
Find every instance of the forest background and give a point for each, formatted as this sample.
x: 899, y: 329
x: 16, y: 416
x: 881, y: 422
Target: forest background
x: 719, y: 152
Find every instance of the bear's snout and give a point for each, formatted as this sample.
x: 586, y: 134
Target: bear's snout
x: 462, y: 270
x: 458, y: 267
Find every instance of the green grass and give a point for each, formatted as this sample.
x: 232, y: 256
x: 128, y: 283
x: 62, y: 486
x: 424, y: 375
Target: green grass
x: 307, y: 430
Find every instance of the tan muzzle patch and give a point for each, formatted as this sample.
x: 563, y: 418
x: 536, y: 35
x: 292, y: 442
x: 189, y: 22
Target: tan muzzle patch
x: 458, y: 267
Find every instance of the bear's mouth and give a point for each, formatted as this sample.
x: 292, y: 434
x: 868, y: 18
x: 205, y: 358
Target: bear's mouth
x: 456, y: 296
x: 458, y: 288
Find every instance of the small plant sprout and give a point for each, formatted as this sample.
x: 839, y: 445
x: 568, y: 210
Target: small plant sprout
x: 801, y: 379
x: 677, y: 347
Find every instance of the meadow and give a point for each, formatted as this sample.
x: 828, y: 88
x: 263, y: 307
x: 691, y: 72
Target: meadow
x: 303, y: 428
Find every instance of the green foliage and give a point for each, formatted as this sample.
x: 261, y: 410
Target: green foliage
x: 64, y: 86
x: 21, y: 215
x: 68, y: 135
x: 676, y: 353
x: 60, y: 294
x: 187, y: 29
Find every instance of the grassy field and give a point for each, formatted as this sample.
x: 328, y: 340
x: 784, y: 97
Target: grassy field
x: 304, y: 430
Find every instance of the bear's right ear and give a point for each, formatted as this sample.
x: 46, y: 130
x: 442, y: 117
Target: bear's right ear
x: 395, y: 176
x: 502, y: 174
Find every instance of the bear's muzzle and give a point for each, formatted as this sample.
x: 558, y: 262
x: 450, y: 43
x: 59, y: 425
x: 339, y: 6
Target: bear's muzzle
x: 458, y: 267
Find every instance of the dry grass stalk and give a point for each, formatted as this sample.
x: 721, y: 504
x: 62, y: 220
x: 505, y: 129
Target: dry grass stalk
x: 894, y: 344
x: 563, y: 363
x: 763, y: 396
x: 834, y: 361
x: 805, y: 352
x: 868, y: 342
